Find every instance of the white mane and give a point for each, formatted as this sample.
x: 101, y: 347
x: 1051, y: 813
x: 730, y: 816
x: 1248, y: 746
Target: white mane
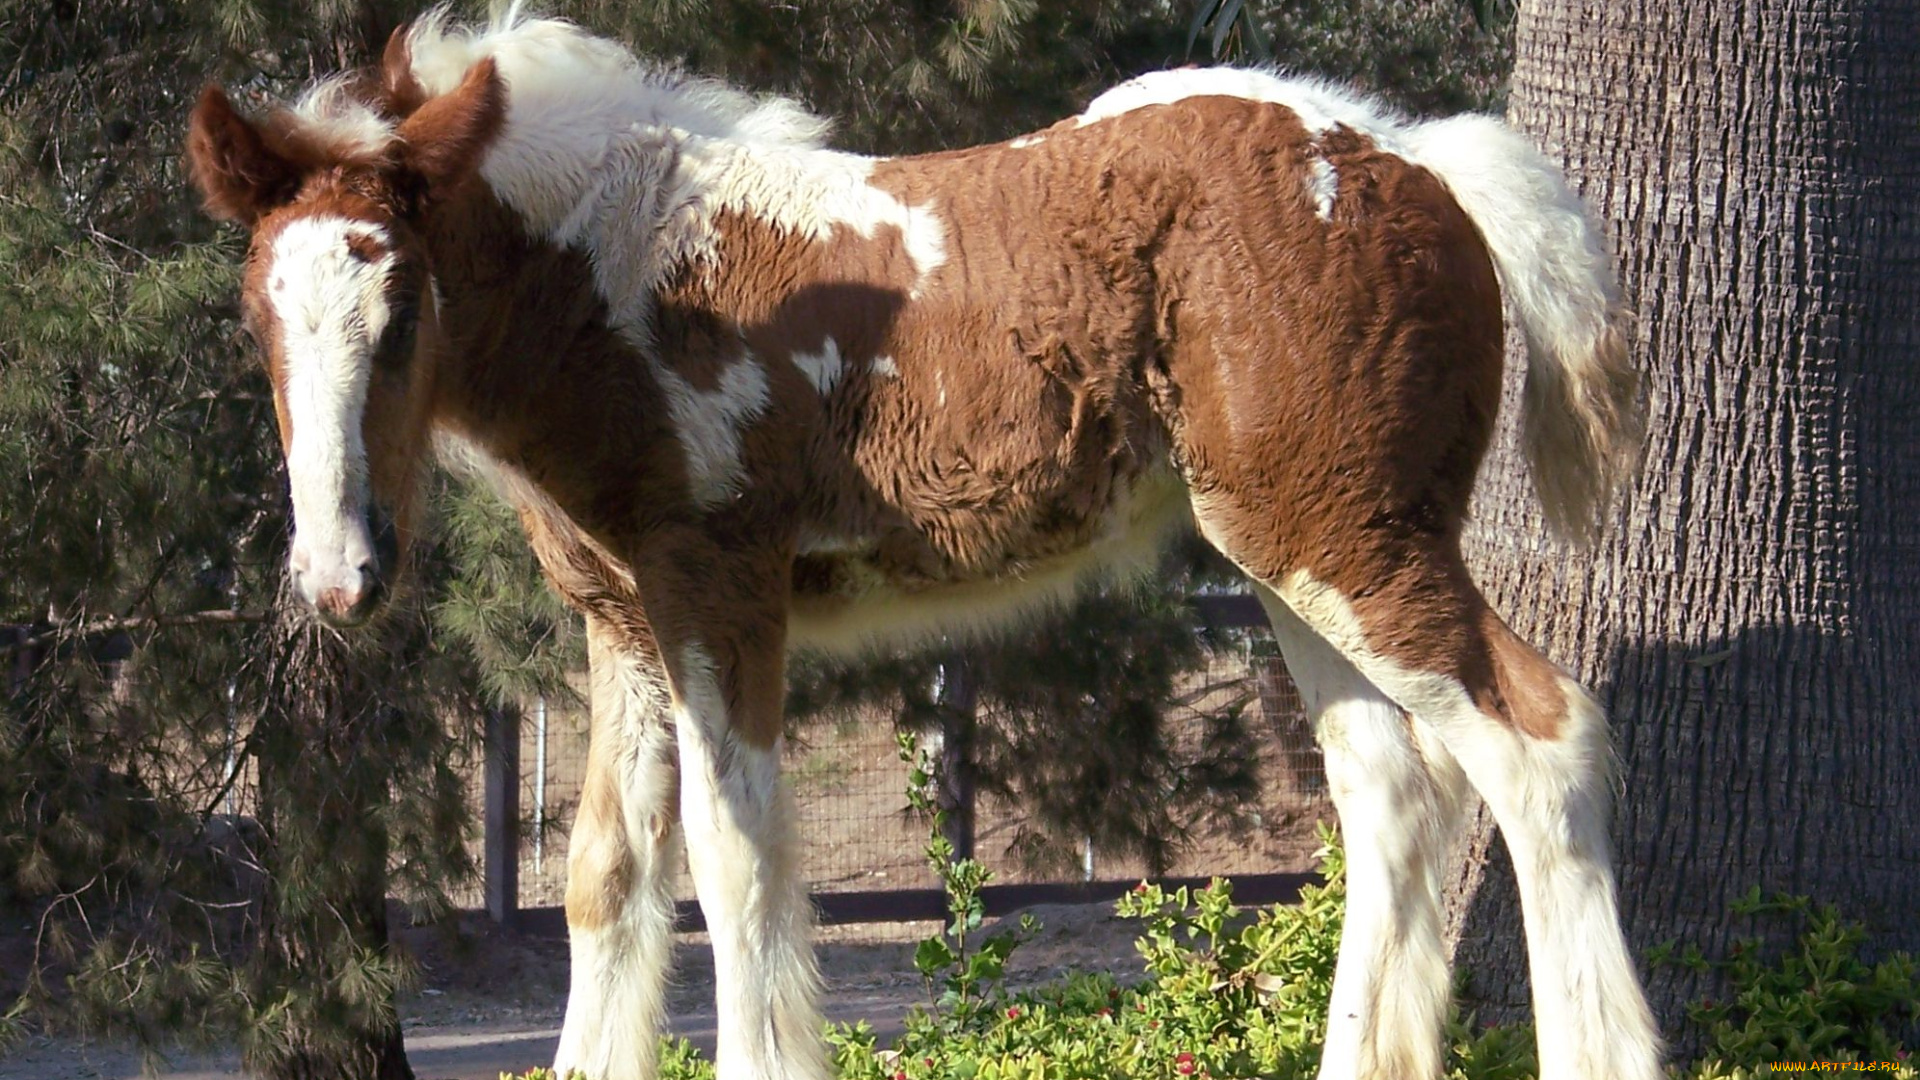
x: 572, y: 98
x: 575, y: 101
x: 332, y: 111
x: 556, y: 69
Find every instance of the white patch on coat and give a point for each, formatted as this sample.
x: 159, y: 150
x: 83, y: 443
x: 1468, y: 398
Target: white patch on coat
x: 741, y: 851
x: 885, y: 367
x: 1320, y: 106
x: 331, y: 307
x: 709, y: 423
x: 652, y: 208
x: 810, y: 193
x: 824, y: 368
x: 1025, y: 141
x: 1399, y: 808
x: 571, y: 94
x: 1323, y: 183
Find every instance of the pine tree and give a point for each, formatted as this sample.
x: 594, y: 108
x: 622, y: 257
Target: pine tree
x: 153, y: 672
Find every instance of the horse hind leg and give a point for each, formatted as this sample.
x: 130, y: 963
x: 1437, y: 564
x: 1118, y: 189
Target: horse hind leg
x: 1534, y: 745
x: 619, y: 858
x: 1399, y: 805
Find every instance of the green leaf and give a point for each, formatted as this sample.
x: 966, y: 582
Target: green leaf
x: 1202, y: 14
x: 933, y: 956
x: 1223, y: 25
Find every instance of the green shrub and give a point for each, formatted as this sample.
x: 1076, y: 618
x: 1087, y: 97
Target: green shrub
x: 1224, y: 992
x: 1812, y: 1000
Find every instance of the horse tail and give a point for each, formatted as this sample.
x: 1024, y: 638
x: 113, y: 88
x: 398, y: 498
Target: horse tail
x: 1582, y: 419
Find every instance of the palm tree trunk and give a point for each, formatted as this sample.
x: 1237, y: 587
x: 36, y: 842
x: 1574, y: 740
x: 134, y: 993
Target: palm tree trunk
x: 1753, y: 621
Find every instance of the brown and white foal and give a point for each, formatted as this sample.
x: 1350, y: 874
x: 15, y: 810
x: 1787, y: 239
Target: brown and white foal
x: 752, y: 395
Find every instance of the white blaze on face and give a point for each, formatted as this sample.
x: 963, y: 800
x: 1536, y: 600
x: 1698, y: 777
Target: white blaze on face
x: 331, y: 307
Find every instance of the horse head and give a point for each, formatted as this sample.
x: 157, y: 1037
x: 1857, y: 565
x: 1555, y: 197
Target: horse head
x: 338, y: 295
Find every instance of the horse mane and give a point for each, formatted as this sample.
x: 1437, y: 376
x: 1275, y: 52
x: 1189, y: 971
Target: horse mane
x: 557, y: 71
x: 568, y: 90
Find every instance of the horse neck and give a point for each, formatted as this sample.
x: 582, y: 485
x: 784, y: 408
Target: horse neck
x: 526, y: 368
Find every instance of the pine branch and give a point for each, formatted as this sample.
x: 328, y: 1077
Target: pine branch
x: 118, y: 624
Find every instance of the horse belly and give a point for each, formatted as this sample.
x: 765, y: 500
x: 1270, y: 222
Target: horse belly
x: 845, y: 604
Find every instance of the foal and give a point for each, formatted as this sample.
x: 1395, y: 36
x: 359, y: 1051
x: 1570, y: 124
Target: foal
x: 751, y: 395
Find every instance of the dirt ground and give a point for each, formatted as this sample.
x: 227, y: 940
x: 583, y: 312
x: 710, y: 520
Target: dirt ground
x: 489, y: 1001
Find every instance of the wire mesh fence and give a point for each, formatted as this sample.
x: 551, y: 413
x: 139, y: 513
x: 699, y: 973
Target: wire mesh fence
x: 857, y: 834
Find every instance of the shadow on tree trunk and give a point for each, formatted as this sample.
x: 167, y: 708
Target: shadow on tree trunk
x: 1797, y: 807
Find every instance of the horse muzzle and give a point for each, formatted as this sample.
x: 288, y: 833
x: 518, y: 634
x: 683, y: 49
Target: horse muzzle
x: 346, y: 588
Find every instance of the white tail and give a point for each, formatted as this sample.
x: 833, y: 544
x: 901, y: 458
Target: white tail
x: 1583, y: 420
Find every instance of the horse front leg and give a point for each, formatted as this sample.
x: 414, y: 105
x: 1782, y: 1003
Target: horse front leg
x: 619, y: 862
x: 723, y: 638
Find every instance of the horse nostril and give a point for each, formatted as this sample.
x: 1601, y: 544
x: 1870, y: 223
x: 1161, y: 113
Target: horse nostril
x: 335, y: 602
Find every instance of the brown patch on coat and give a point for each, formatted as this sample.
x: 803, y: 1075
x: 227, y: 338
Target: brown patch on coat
x: 1332, y: 384
x: 1526, y: 689
x: 601, y: 448
x: 623, y: 540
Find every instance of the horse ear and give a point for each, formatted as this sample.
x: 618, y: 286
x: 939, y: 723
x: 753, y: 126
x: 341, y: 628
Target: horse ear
x: 238, y: 174
x: 403, y: 91
x: 444, y: 139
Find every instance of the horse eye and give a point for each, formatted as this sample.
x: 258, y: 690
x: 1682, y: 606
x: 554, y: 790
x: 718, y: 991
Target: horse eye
x: 396, y: 341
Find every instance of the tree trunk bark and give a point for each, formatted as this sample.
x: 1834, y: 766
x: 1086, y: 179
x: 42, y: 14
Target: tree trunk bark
x: 1753, y: 620
x: 323, y: 950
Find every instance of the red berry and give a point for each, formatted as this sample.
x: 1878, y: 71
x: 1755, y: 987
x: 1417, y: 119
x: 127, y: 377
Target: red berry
x: 1184, y: 1064
x: 1013, y: 1013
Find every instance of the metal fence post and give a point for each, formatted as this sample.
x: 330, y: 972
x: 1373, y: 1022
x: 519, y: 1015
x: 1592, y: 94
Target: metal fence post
x: 501, y: 745
x: 958, y: 698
